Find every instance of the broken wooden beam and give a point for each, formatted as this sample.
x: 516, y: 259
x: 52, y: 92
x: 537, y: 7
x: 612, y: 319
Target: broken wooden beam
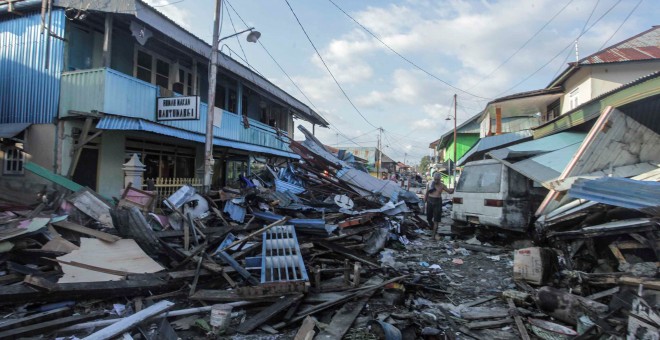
x: 87, y: 231
x: 129, y: 322
x: 268, y: 313
x: 47, y: 326
x: 35, y: 318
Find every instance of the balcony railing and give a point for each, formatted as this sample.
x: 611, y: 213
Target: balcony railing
x: 109, y: 91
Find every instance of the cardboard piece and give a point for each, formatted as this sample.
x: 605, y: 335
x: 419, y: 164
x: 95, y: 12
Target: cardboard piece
x: 535, y: 265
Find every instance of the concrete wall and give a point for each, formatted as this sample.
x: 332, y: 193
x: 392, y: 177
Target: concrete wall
x: 592, y: 81
x: 111, y: 158
x: 39, y: 149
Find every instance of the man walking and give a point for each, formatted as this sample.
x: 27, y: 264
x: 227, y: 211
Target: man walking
x: 433, y: 199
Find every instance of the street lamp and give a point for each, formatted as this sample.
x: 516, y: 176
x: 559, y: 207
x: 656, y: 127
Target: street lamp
x: 213, y: 69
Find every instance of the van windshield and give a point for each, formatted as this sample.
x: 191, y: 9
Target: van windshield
x: 480, y: 178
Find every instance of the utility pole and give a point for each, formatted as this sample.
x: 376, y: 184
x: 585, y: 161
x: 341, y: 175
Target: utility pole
x: 455, y: 141
x: 378, y: 154
x: 213, y: 69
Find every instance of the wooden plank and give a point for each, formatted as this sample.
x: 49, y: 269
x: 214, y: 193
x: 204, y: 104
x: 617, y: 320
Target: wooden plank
x: 35, y: 318
x: 488, y: 324
x: 603, y: 294
x: 479, y: 301
x: 230, y: 295
x: 87, y: 202
x: 76, y: 156
x: 127, y: 323
x: 306, y: 331
x: 268, y: 313
x: 343, y: 319
x: 87, y: 231
x: 45, y: 327
x: 40, y: 283
x: 347, y: 253
x: 518, y: 319
x: 60, y: 244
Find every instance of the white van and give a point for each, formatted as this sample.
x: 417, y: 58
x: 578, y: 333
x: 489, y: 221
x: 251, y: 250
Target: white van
x: 493, y: 195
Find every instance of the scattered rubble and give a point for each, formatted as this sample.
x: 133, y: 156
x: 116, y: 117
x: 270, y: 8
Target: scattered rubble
x: 313, y: 250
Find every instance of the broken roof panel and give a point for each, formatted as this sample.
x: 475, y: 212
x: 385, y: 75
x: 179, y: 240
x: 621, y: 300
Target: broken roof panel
x: 615, y: 140
x: 548, y: 166
x: 491, y: 142
x: 537, y: 146
x: 621, y: 192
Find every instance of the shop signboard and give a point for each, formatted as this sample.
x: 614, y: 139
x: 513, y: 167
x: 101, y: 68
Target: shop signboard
x: 178, y: 108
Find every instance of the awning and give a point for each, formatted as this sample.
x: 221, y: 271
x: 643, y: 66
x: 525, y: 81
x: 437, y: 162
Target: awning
x: 10, y: 130
x: 538, y: 146
x: 547, y: 157
x: 134, y: 124
x: 489, y: 143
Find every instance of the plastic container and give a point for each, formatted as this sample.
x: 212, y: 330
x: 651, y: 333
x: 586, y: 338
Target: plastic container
x: 220, y: 317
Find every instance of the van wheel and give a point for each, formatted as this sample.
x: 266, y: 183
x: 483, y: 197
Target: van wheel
x: 461, y: 230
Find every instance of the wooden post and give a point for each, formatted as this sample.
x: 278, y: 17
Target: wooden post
x: 78, y: 151
x: 498, y: 121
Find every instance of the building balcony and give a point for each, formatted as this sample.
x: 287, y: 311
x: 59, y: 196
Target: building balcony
x: 111, y: 92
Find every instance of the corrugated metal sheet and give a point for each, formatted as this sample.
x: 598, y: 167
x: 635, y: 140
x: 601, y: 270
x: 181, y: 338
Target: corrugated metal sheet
x: 10, y: 130
x: 537, y: 146
x: 644, y: 46
x: 620, y: 192
x: 132, y: 124
x: 615, y: 140
x: 547, y: 166
x: 28, y: 91
x: 491, y: 142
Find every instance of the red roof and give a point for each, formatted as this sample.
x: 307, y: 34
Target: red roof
x: 644, y: 46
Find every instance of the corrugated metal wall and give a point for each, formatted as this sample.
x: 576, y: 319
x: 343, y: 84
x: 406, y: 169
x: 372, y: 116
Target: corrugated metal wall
x: 28, y: 91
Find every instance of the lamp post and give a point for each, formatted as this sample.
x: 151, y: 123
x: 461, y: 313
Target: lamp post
x: 213, y: 69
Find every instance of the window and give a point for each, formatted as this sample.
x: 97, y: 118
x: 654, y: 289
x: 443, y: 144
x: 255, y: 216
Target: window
x: 152, y: 69
x: 573, y: 98
x: 162, y: 74
x: 163, y: 159
x: 485, y: 178
x: 552, y: 111
x: 13, y: 162
x: 143, y: 66
x: 183, y: 84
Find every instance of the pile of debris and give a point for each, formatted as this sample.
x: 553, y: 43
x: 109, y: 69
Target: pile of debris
x: 314, y: 249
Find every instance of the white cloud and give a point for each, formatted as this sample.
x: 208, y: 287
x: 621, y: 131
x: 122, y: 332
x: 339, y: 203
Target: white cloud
x: 178, y: 14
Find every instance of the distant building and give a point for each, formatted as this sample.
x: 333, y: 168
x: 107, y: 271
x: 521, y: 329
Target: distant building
x: 370, y: 154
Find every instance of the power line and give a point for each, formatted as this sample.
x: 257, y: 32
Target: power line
x: 560, y: 52
x: 326, y: 66
x: 523, y: 45
x: 403, y: 57
x: 291, y: 79
x: 561, y: 65
x: 231, y: 21
x: 618, y: 28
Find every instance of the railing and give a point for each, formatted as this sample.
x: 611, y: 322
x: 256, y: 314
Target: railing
x: 109, y: 91
x: 167, y: 186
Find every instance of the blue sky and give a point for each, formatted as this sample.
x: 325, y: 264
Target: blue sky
x: 463, y: 43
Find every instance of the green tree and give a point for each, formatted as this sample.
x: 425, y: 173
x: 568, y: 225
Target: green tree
x: 424, y: 164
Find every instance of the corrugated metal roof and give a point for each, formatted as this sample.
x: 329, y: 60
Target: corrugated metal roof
x: 29, y: 92
x: 491, y: 142
x: 541, y: 145
x: 644, y: 46
x: 620, y: 192
x: 10, y: 130
x: 132, y: 124
x: 547, y: 166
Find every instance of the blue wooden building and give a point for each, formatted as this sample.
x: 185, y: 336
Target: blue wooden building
x: 79, y: 90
